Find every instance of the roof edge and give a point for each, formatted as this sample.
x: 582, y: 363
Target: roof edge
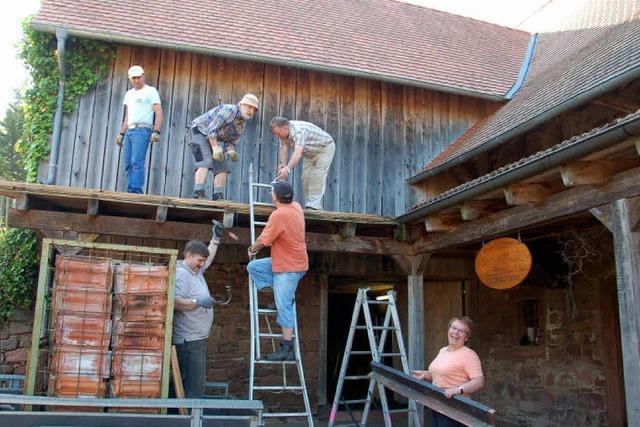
x: 524, y: 70
x: 269, y: 59
x: 607, y: 85
x: 567, y: 150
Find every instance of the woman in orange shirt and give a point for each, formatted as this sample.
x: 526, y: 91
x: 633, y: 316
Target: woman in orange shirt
x: 456, y: 368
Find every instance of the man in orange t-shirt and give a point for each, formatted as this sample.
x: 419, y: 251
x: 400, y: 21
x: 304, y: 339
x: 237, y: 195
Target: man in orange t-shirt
x: 284, y: 232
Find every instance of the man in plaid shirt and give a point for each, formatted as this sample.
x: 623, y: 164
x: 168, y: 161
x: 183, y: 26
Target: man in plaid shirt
x: 213, y: 138
x: 315, y: 145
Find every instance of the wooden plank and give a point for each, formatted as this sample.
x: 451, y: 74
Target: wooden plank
x: 106, y: 173
x: 442, y: 222
x: 391, y: 146
x: 593, y: 172
x: 82, y: 138
x: 158, y: 155
x: 348, y: 230
x: 411, y: 131
x: 150, y: 229
x: 332, y: 126
x: 302, y: 112
x: 360, y: 147
x: 460, y: 408
x: 228, y: 219
x: 346, y: 143
x: 67, y: 146
x: 267, y: 166
x: 558, y: 205
x: 374, y: 157
x: 249, y: 144
x: 241, y: 83
x: 626, y: 245
x: 195, y: 107
x: 177, y: 378
x: 178, y: 120
x: 22, y: 202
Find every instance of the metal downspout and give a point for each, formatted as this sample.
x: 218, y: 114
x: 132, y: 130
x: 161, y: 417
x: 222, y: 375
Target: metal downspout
x: 61, y: 34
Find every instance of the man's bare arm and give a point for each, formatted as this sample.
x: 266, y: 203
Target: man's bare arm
x: 184, y: 304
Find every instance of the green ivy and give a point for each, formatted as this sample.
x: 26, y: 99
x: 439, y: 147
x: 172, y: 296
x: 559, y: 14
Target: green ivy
x: 18, y: 269
x: 86, y: 63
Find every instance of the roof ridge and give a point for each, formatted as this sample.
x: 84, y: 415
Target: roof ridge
x: 469, y: 18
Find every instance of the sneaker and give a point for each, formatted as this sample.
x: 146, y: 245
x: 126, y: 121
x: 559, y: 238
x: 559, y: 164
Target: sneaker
x: 217, y: 196
x: 198, y: 194
x: 282, y: 354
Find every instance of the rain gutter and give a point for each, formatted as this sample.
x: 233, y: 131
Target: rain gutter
x: 61, y: 34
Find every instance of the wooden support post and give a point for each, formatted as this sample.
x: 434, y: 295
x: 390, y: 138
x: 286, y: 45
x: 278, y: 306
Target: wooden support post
x: 161, y: 213
x: 627, y: 252
x: 324, y: 331
x: 22, y: 202
x: 93, y: 207
x: 414, y: 267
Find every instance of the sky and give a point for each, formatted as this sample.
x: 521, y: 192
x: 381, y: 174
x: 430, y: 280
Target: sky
x: 503, y: 12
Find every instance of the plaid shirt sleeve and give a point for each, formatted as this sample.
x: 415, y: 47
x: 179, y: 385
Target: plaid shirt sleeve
x: 218, y: 118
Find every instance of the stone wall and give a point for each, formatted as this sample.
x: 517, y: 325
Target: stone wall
x: 15, y: 342
x: 571, y: 377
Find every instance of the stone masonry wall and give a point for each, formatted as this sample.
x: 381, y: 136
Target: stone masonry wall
x: 561, y: 382
x: 15, y: 342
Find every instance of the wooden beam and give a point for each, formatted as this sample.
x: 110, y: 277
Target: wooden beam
x: 348, y: 230
x: 616, y: 102
x: 592, y: 172
x: 624, y: 185
x: 161, y: 213
x: 93, y: 207
x: 228, y: 219
x: 474, y: 209
x: 441, y: 222
x: 22, y: 202
x: 145, y: 228
x: 627, y: 252
x: 526, y: 193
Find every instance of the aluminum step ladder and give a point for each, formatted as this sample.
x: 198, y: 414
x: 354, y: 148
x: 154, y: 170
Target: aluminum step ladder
x: 259, y: 336
x: 377, y: 335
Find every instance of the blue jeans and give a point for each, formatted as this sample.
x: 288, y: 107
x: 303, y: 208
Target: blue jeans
x: 135, y: 143
x: 284, y: 288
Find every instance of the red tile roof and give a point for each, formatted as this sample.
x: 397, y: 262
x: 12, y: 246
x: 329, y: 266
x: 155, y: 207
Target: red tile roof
x: 566, y: 65
x: 383, y: 39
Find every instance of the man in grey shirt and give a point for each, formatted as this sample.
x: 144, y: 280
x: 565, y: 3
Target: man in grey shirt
x: 194, y: 313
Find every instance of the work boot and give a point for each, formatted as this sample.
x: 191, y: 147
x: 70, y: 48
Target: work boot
x: 284, y: 353
x: 217, y: 196
x: 198, y: 194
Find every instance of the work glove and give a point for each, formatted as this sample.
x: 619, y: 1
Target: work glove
x: 217, y: 153
x: 119, y: 139
x: 155, y: 136
x: 204, y: 302
x: 216, y: 231
x: 232, y: 155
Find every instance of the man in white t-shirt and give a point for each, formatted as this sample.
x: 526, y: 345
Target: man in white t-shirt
x: 139, y: 128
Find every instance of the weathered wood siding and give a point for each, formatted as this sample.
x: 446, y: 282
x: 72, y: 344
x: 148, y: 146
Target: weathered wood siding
x: 384, y: 132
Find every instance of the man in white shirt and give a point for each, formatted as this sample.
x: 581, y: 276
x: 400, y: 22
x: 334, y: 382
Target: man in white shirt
x: 141, y: 102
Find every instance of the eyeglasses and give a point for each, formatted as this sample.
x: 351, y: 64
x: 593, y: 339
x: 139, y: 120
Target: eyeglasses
x: 460, y: 331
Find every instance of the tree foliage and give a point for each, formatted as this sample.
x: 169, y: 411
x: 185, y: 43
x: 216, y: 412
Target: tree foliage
x: 10, y: 131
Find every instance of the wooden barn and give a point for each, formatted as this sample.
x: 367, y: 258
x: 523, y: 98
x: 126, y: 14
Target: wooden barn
x: 449, y: 132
